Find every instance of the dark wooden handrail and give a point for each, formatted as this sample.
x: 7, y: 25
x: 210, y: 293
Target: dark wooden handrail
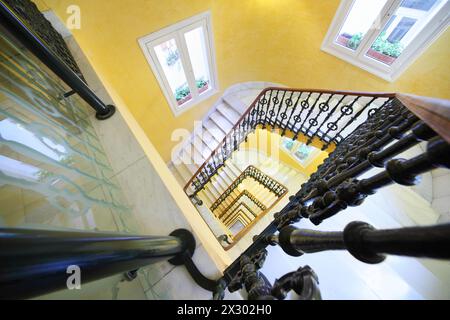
x: 434, y: 112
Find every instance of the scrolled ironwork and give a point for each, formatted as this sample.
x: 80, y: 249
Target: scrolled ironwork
x: 246, y: 194
x: 304, y: 281
x: 388, y: 129
x: 251, y: 172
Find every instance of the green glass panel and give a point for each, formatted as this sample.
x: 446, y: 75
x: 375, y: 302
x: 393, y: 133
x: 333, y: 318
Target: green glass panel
x: 53, y: 169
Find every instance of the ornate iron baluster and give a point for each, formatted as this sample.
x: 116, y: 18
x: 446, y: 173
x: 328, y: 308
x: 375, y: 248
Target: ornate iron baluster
x: 294, y: 108
x: 283, y: 116
x: 266, y: 120
x: 323, y: 107
x: 304, y: 281
x: 305, y: 105
x: 310, y: 112
x: 401, y: 171
x: 346, y: 110
x: 329, y: 116
x: 279, y: 109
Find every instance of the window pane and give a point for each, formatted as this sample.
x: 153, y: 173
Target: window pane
x: 409, y: 19
x: 424, y: 5
x: 288, y: 143
x: 401, y: 29
x: 169, y: 58
x: 195, y: 41
x: 361, y: 17
x: 303, y: 152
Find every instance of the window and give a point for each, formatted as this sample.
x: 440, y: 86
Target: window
x: 299, y: 151
x: 183, y: 61
x: 385, y: 36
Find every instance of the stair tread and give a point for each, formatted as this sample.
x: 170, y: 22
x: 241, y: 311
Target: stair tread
x: 236, y: 103
x: 215, y: 131
x: 221, y: 121
x: 196, y: 155
x: 228, y: 112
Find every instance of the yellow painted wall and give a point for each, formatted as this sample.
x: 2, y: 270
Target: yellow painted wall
x: 255, y: 40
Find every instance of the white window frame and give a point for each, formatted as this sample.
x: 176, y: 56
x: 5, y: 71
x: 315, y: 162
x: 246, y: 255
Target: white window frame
x: 176, y: 31
x: 358, y: 57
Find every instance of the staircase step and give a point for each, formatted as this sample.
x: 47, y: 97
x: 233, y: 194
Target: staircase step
x: 231, y: 174
x: 233, y: 169
x: 223, y: 183
x: 207, y: 197
x: 225, y: 176
x: 217, y: 185
x: 236, y: 103
x: 213, y: 192
x: 196, y: 154
x: 209, y: 140
x: 215, y: 131
x: 228, y: 112
x: 190, y: 165
x: 222, y: 122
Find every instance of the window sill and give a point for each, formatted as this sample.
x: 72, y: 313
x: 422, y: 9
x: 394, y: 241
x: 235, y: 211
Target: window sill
x: 178, y: 110
x: 368, y: 68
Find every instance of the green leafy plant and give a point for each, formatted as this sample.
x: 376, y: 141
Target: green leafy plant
x: 182, y: 92
x: 172, y: 58
x: 355, y: 40
x: 201, y: 83
x: 382, y: 45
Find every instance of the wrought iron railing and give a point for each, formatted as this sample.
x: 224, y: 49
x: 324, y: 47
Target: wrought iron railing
x: 251, y: 172
x: 24, y: 21
x: 365, y: 130
x: 399, y: 124
x: 319, y: 115
x: 223, y: 215
x: 249, y: 214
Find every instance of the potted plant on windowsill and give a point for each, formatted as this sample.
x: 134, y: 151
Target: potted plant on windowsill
x: 384, y: 50
x: 381, y: 49
x: 343, y: 39
x: 183, y: 94
x: 202, y: 85
x: 355, y: 40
